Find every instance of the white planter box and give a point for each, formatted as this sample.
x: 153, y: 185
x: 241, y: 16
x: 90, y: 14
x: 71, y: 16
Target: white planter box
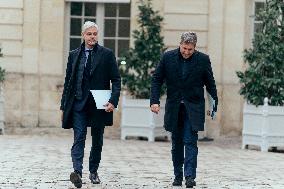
x: 138, y: 120
x: 263, y: 126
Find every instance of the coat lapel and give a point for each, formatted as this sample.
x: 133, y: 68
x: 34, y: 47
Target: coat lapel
x: 189, y: 68
x: 178, y: 69
x: 75, y: 61
x: 96, y: 58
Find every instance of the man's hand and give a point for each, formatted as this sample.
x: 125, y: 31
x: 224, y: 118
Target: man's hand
x: 155, y: 108
x: 61, y: 115
x: 208, y: 112
x: 109, y: 107
x: 212, y: 114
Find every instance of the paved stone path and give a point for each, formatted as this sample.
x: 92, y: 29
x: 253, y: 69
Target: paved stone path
x: 40, y: 162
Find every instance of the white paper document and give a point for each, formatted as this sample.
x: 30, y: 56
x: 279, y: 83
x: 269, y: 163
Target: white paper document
x: 211, y: 104
x: 101, y: 97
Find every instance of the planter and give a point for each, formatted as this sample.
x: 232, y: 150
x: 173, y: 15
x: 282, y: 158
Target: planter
x: 138, y: 120
x: 2, y: 120
x: 263, y: 126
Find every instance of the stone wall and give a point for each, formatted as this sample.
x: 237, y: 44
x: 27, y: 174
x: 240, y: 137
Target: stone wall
x: 32, y: 45
x: 11, y: 40
x: 32, y: 34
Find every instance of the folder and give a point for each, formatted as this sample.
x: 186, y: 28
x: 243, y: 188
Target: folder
x: 101, y: 97
x: 211, y: 104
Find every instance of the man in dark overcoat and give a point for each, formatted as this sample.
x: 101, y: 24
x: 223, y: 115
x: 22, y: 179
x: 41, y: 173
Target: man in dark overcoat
x: 89, y: 67
x: 185, y: 71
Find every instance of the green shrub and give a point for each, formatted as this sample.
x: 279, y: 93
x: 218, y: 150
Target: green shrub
x: 143, y: 58
x: 264, y: 74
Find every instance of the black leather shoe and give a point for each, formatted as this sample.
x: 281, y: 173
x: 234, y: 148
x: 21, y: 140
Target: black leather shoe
x: 94, y: 177
x: 75, y: 178
x: 189, y: 182
x: 177, y: 182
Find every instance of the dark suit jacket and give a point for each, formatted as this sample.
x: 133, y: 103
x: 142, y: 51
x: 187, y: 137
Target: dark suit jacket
x: 103, y: 71
x: 197, y: 75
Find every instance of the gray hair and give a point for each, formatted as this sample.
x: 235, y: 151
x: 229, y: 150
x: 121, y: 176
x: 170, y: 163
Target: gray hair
x: 188, y: 37
x: 89, y: 24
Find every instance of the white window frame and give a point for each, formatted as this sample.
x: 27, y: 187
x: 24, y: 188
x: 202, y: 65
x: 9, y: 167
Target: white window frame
x: 82, y: 17
x: 253, y: 17
x: 99, y: 20
x: 116, y: 38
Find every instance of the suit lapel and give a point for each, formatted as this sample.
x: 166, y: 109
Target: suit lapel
x: 96, y: 58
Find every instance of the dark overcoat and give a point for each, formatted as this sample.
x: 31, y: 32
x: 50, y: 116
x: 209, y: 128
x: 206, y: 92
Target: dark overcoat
x: 198, y: 74
x: 103, y: 75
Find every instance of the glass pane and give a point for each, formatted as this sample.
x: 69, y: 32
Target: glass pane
x: 124, y: 28
x: 90, y: 19
x: 90, y: 9
x: 257, y: 27
x: 75, y: 27
x: 124, y: 10
x: 110, y: 43
x: 74, y: 43
x: 110, y: 10
x: 76, y: 9
x: 109, y: 28
x: 258, y: 6
x: 123, y: 46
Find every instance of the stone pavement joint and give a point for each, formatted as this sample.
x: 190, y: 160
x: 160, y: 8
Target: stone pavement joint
x: 39, y: 162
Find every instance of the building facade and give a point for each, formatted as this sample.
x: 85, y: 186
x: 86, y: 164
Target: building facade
x: 36, y: 35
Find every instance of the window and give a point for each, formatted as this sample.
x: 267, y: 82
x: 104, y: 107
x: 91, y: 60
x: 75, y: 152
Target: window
x: 257, y: 24
x: 117, y: 27
x: 80, y: 12
x: 113, y: 20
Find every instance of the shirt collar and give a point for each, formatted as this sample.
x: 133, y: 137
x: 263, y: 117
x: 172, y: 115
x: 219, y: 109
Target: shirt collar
x: 86, y: 49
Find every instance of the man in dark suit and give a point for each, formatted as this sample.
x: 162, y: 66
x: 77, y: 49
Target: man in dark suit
x: 185, y: 72
x: 89, y: 67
